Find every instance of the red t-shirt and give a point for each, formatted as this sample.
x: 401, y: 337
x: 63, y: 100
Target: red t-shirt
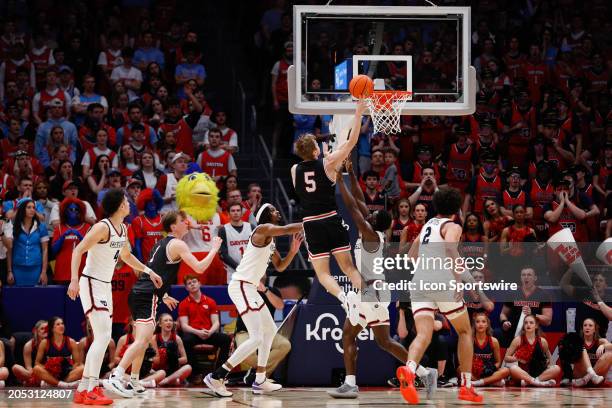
x: 123, y: 280
x: 64, y: 256
x: 199, y: 313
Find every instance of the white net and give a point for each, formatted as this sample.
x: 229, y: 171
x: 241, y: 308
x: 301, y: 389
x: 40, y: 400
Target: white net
x: 386, y: 109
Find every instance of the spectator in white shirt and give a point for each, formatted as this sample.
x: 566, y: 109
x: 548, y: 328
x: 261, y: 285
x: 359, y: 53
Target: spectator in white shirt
x: 130, y: 76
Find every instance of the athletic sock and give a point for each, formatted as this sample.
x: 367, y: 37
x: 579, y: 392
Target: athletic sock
x: 478, y: 383
x: 93, y: 383
x: 118, y: 372
x: 220, y: 372
x: 260, y: 377
x: 421, y: 371
x: 83, y: 384
x: 412, y: 365
x: 134, y: 377
x: 350, y: 380
x: 466, y: 380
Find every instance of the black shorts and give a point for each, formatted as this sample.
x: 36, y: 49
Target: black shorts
x: 325, y: 234
x: 143, y: 307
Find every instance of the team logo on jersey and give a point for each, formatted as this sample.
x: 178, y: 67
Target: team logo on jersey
x: 328, y: 331
x: 117, y: 244
x: 104, y: 303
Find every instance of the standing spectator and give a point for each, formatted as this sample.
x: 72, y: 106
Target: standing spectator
x: 149, y: 174
x: 66, y: 236
x: 56, y: 118
x: 400, y: 221
x: 128, y: 75
x: 514, y: 59
x: 27, y: 245
x: 413, y: 229
x: 253, y: 201
x: 374, y: 200
x: 147, y: 53
x: 16, y: 60
x: 87, y: 96
x: 199, y: 318
x: 90, y: 156
x: 178, y: 164
x: 280, y: 96
x: 486, y: 185
x: 26, y: 190
x: 110, y: 58
x: 513, y: 236
x: 424, y: 193
x: 128, y: 162
x: 91, y: 124
x: 216, y: 161
x: 229, y: 137
x: 70, y: 189
x: 189, y: 69
x: 41, y: 56
x: 495, y: 221
x: 181, y: 126
x: 77, y: 57
x: 541, y: 194
x: 24, y: 373
x: 124, y: 134
x: 514, y: 195
x: 41, y: 195
x: 235, y: 235
x: 148, y: 229
x: 45, y: 99
x: 280, y: 345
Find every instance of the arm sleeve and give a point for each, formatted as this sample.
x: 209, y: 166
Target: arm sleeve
x: 224, y: 250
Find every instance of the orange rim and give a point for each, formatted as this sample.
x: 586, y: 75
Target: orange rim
x: 385, y: 99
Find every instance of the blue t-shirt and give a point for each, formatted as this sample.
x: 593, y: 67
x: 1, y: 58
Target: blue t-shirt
x: 12, y: 204
x: 27, y: 250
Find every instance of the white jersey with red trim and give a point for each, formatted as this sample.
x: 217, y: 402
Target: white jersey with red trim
x: 103, y: 256
x: 237, y: 242
x: 254, y: 262
x: 432, y: 264
x: 199, y: 240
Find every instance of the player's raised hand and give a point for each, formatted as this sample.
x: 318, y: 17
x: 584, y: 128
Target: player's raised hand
x: 361, y: 107
x: 171, y: 302
x: 73, y: 289
x: 216, y: 243
x: 156, y: 279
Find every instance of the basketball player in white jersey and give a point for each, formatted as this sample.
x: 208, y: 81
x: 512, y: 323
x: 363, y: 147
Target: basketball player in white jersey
x: 374, y: 306
x: 324, y: 231
x: 104, y: 244
x: 437, y: 243
x: 235, y: 236
x: 243, y: 291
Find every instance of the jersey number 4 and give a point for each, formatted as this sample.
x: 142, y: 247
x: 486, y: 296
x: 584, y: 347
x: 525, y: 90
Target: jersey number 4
x: 311, y: 185
x: 117, y: 255
x: 426, y: 236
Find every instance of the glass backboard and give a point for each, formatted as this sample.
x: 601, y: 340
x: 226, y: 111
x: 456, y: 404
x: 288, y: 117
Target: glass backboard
x: 425, y: 50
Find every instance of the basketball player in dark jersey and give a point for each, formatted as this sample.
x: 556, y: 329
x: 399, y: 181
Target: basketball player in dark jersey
x: 324, y: 230
x: 166, y: 257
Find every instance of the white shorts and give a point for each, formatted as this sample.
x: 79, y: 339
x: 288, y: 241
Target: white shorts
x: 245, y: 296
x: 373, y: 314
x: 96, y: 295
x: 444, y: 302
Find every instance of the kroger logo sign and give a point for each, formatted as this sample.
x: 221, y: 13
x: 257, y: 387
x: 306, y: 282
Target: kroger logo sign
x: 327, y: 327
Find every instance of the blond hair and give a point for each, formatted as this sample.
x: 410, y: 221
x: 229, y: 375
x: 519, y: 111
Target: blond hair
x: 305, y: 145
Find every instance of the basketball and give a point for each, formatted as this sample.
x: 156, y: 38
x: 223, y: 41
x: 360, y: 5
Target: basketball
x: 361, y: 86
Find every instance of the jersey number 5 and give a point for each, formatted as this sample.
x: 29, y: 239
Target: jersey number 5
x: 311, y: 185
x: 426, y: 236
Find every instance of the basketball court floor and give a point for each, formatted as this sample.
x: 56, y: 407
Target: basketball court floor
x: 317, y: 397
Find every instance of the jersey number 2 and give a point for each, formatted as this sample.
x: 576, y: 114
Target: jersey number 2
x: 311, y: 185
x: 426, y: 236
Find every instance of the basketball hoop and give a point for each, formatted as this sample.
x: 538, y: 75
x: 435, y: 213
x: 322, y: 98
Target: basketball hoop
x: 386, y: 109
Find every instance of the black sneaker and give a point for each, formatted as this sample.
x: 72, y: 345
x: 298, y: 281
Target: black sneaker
x: 442, y: 381
x: 249, y: 377
x: 393, y: 382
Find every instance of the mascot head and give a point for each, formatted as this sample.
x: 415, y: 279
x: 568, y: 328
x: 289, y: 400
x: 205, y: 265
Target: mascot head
x: 197, y: 195
x: 72, y: 212
x: 150, y: 201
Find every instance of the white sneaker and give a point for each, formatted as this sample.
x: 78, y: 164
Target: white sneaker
x: 136, y: 387
x: 430, y: 381
x: 115, y: 385
x: 217, y: 386
x: 265, y: 387
x: 353, y: 299
x: 597, y: 379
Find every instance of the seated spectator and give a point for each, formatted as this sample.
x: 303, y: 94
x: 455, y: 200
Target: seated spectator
x: 473, y: 238
x: 128, y: 162
x: 98, y: 177
x: 235, y: 235
x: 108, y: 363
x: 474, y: 302
x: 529, y: 359
x: 149, y: 174
x: 414, y: 175
x: 229, y: 137
x: 127, y: 74
x: 66, y: 236
x: 71, y: 191
x: 280, y: 345
x: 56, y: 138
x: 216, y: 161
x: 51, y: 96
x: 24, y: 373
x: 235, y: 197
x: 513, y: 236
x: 90, y: 156
x: 190, y: 69
x: 495, y: 221
x: 27, y: 247
x: 531, y: 303
x: 254, y: 197
x: 373, y: 198
x: 598, y: 350
x: 115, y: 180
x: 88, y: 131
x: 199, y: 320
x: 150, y: 378
x: 147, y: 53
x: 58, y: 359
x: 56, y: 118
x: 486, y: 368
x: 59, y: 155
x: 413, y: 228
x: 138, y: 141
x: 172, y: 356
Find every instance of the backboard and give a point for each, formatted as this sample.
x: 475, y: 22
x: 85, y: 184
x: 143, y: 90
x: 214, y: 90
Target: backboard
x: 425, y: 50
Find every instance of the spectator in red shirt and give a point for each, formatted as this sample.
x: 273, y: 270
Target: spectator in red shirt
x: 66, y: 236
x: 199, y: 319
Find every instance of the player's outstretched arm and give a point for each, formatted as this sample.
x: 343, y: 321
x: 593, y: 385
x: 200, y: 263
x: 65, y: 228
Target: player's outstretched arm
x: 337, y: 156
x: 98, y: 233
x: 179, y: 249
x: 271, y: 230
x: 280, y: 264
x: 367, y: 233
x: 136, y: 265
x: 356, y: 189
